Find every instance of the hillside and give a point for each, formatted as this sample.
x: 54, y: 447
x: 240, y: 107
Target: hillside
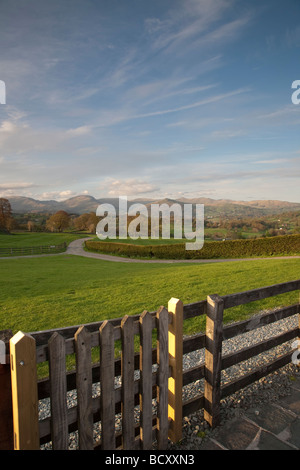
x: 213, y: 207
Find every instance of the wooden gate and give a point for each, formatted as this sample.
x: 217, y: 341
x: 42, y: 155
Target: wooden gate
x: 152, y: 382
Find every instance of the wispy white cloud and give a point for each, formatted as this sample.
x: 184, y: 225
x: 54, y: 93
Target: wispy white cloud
x: 212, y: 99
x: 285, y: 112
x: 227, y: 134
x: 57, y: 195
x: 82, y: 130
x: 128, y: 187
x: 16, y: 185
x: 195, y: 24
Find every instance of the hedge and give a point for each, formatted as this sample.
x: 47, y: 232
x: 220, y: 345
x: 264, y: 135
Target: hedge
x: 272, y: 246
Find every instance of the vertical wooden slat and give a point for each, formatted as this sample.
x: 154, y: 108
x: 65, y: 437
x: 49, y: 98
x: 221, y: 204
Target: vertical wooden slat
x: 6, y: 414
x: 107, y: 381
x: 299, y: 324
x: 84, y: 388
x: 175, y: 307
x: 162, y: 317
x: 146, y: 380
x: 213, y: 359
x: 24, y: 392
x: 127, y: 371
x: 58, y: 392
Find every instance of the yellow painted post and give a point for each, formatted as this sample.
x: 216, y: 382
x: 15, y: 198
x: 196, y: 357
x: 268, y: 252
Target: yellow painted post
x: 175, y: 340
x: 24, y: 392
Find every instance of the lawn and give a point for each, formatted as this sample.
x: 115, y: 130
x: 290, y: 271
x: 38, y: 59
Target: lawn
x: 65, y: 290
x: 25, y: 239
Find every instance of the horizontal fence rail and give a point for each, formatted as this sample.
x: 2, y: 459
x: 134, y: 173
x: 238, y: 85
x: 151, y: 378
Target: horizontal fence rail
x: 150, y: 375
x: 33, y: 250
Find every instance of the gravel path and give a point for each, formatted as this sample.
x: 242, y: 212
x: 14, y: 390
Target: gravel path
x: 266, y: 390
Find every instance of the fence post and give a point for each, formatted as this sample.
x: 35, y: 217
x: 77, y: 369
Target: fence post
x: 24, y: 392
x: 213, y: 359
x: 127, y: 372
x: 82, y: 339
x: 175, y: 341
x: 146, y: 380
x: 58, y: 392
x: 299, y: 324
x: 6, y: 418
x: 162, y: 379
x: 107, y: 380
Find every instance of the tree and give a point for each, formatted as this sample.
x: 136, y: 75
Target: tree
x: 80, y: 223
x: 87, y: 221
x: 5, y: 214
x: 58, y: 222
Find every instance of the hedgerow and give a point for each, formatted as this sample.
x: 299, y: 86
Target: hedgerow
x: 272, y: 246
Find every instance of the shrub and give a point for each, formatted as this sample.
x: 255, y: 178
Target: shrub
x: 273, y: 246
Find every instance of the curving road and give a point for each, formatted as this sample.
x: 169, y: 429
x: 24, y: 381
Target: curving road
x: 76, y: 248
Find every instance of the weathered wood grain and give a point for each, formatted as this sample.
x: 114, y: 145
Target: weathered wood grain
x: 253, y: 295
x: 162, y: 378
x: 175, y: 308
x: 24, y: 392
x: 127, y: 373
x: 107, y: 380
x: 213, y: 357
x: 84, y: 388
x: 58, y: 392
x: 146, y: 379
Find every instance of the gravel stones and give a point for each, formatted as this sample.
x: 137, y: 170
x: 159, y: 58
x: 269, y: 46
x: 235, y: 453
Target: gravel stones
x: 267, y: 390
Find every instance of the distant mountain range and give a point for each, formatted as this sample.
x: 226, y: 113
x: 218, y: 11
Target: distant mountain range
x: 212, y: 207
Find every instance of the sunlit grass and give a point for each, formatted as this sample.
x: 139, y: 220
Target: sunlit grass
x: 59, y: 291
x: 23, y: 239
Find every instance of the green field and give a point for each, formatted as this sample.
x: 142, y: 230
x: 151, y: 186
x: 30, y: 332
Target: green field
x: 65, y: 290
x: 25, y: 239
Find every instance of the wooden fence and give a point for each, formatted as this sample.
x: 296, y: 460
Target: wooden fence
x: 148, y: 398
x: 33, y: 250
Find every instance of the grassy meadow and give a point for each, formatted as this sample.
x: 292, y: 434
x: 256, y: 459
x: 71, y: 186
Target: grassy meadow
x: 26, y: 239
x: 65, y: 290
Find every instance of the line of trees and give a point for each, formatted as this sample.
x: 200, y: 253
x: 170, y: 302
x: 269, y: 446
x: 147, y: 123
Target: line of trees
x: 285, y: 223
x: 57, y: 222
x: 61, y: 221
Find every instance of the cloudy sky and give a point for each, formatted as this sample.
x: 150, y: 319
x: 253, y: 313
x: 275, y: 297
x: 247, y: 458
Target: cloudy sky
x: 160, y: 98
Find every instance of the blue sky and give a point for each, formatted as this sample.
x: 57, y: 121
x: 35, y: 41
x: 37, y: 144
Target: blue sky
x: 150, y: 99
